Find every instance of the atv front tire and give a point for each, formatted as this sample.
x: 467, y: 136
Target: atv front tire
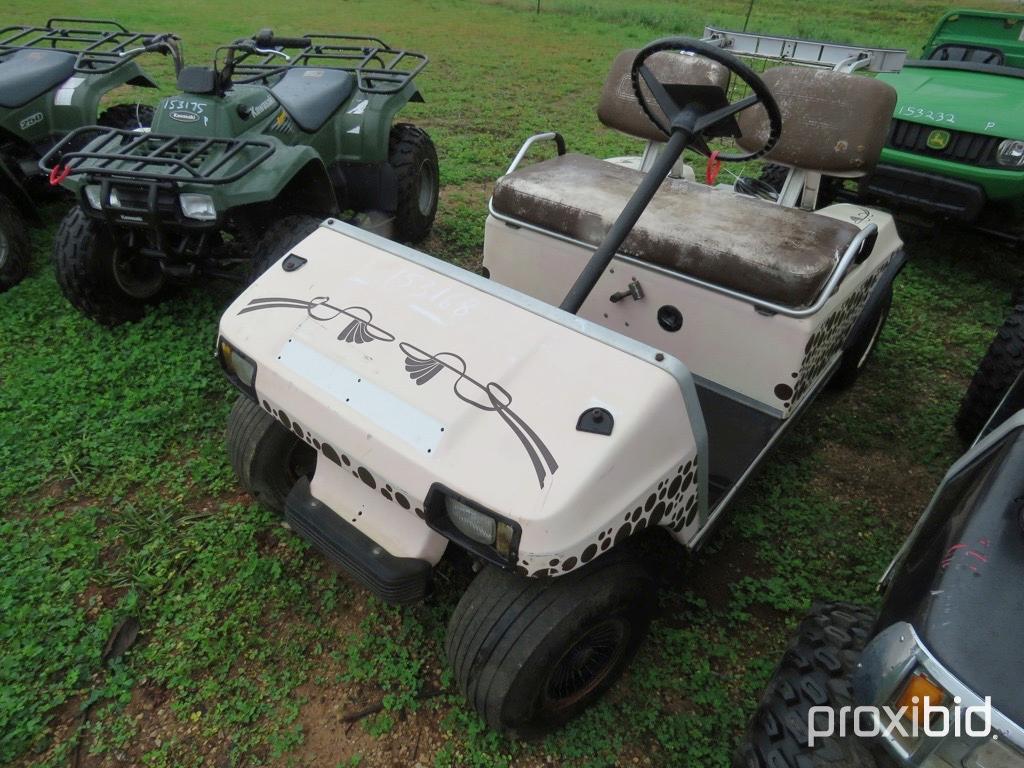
x: 99, y: 280
x: 278, y: 240
x: 413, y: 157
x: 14, y: 245
x: 531, y: 653
x: 267, y: 458
x: 997, y: 370
x: 815, y: 671
x: 128, y: 117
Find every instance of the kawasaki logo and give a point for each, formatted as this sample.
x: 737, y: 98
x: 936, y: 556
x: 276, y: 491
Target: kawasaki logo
x: 938, y: 139
x: 184, y: 117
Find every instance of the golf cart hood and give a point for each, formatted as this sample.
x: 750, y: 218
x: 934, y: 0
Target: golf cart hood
x: 972, y: 101
x: 411, y: 376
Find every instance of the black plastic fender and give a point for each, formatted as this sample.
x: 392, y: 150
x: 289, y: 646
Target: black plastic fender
x: 875, y: 299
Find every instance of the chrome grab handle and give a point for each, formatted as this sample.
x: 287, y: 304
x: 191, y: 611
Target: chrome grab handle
x: 549, y: 136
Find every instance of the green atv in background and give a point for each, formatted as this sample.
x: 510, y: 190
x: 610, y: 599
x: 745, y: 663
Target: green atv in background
x: 244, y: 163
x: 956, y: 145
x: 52, y: 81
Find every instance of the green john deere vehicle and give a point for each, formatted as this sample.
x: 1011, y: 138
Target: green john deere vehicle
x: 278, y: 134
x: 53, y: 79
x: 956, y: 144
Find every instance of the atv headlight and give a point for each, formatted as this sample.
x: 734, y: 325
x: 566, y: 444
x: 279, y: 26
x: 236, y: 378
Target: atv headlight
x: 240, y: 369
x: 1011, y: 153
x: 482, y: 532
x: 994, y: 754
x: 199, y: 207
x: 94, y: 194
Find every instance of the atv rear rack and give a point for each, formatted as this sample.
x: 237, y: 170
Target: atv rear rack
x: 101, y: 47
x: 796, y: 50
x: 378, y: 67
x: 115, y: 153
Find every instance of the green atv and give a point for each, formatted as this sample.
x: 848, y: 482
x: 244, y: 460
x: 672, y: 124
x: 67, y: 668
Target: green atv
x: 247, y: 161
x: 52, y: 81
x: 956, y: 145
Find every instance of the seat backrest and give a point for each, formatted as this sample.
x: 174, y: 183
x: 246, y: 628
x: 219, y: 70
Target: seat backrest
x: 832, y: 123
x: 619, y: 108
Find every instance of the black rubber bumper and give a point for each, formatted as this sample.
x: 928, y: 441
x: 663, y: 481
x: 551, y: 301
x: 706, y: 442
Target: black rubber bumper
x: 960, y: 200
x: 393, y: 579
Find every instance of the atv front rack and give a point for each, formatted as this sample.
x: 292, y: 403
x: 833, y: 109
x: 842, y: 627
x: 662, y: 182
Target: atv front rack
x: 100, y: 45
x: 115, y: 153
x: 378, y: 67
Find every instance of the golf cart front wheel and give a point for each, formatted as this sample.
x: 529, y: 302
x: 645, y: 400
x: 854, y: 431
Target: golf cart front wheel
x: 815, y: 672
x: 14, y: 245
x: 267, y: 458
x: 100, y: 280
x: 413, y: 157
x: 856, y: 355
x: 530, y: 653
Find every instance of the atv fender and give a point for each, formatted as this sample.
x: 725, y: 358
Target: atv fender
x: 365, y: 128
x: 293, y: 176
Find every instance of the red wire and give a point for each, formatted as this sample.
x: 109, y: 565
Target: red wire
x: 713, y: 167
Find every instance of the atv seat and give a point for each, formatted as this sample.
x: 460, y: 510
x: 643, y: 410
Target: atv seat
x: 310, y: 95
x: 30, y: 73
x: 770, y: 252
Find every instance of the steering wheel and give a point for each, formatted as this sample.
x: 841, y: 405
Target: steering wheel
x: 683, y: 116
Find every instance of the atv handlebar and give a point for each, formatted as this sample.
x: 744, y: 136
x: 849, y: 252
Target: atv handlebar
x: 266, y: 38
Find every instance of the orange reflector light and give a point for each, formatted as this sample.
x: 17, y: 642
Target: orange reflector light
x: 919, y: 690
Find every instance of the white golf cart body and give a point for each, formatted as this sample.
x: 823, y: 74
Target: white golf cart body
x: 418, y: 382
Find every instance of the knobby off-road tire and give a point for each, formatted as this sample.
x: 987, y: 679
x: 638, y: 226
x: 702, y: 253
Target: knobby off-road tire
x: 267, y: 458
x: 997, y: 370
x: 15, y: 247
x: 99, y: 281
x: 856, y: 356
x: 127, y: 116
x: 775, y: 175
x: 278, y: 240
x: 815, y: 671
x: 531, y: 653
x: 412, y: 155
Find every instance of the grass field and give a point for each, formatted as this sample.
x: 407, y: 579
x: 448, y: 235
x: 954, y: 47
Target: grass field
x: 118, y: 501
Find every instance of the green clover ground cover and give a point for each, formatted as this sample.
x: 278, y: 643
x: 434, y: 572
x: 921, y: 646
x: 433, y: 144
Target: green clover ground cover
x: 118, y: 502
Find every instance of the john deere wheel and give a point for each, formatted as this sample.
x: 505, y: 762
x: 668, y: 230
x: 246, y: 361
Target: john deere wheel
x: 411, y: 153
x: 99, y: 279
x: 14, y: 245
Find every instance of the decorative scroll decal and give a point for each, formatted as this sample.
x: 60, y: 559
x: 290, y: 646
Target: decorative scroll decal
x: 360, y: 331
x: 422, y: 367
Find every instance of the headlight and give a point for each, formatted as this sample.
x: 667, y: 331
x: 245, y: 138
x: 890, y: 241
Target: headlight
x: 994, y: 754
x: 482, y: 532
x: 94, y: 194
x: 1011, y: 153
x: 239, y: 368
x: 199, y: 207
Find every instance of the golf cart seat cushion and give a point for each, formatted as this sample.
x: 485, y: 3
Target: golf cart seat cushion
x: 832, y: 122
x: 30, y: 73
x: 619, y: 108
x: 776, y: 254
x: 310, y: 95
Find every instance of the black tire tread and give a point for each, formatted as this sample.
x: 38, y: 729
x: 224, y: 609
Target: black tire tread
x: 997, y: 370
x: 127, y: 116
x: 279, y: 238
x: 408, y: 147
x: 815, y: 670
x: 20, y: 255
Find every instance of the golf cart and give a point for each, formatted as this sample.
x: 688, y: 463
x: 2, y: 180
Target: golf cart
x: 52, y: 81
x: 945, y: 643
x: 546, y: 419
x: 255, y: 150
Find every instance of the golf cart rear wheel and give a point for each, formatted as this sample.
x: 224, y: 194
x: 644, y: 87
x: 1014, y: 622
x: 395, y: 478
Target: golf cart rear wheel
x: 857, y: 354
x: 267, y: 458
x: 815, y: 672
x: 99, y: 279
x: 530, y: 653
x: 413, y: 157
x: 278, y: 240
x: 14, y: 245
x: 128, y: 117
x: 997, y: 370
